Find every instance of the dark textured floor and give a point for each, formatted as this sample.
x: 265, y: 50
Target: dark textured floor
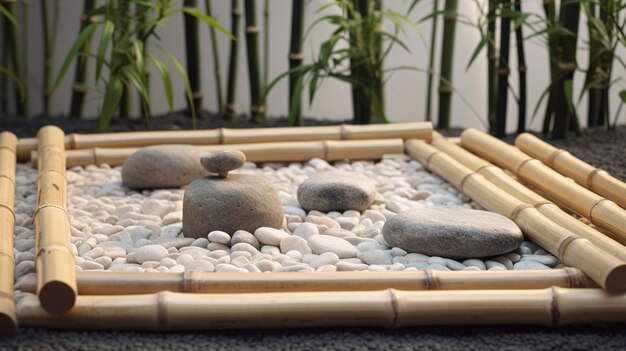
x: 606, y: 149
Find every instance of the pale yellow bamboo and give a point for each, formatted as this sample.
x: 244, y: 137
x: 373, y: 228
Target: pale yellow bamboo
x: 594, y: 179
x: 127, y: 283
x: 415, y: 130
x: 8, y: 318
x: 573, y: 250
x: 499, y: 178
x: 54, y: 260
x: 329, y: 150
x: 558, y: 188
x: 390, y: 308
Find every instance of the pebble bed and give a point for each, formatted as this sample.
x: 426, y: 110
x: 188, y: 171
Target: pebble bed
x: 117, y: 229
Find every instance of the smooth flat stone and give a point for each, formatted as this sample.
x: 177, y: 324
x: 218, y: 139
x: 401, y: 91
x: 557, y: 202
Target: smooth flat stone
x: 452, y: 232
x: 320, y: 244
x: 524, y: 265
x: 337, y: 191
x: 222, y: 162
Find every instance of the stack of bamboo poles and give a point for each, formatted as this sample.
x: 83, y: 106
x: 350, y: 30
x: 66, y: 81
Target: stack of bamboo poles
x: 194, y: 300
x: 8, y: 319
x: 54, y: 260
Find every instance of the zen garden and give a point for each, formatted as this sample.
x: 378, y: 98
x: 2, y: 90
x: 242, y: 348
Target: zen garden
x: 200, y: 165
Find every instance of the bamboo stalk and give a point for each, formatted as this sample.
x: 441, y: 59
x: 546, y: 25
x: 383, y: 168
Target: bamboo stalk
x: 361, y: 102
x: 217, y: 69
x: 492, y: 82
x: 329, y: 150
x: 559, y: 189
x: 431, y: 62
x: 521, y: 69
x: 54, y: 260
x: 128, y: 283
x: 234, y: 53
x: 4, y: 86
x: 573, y: 250
x: 49, y: 43
x: 79, y: 88
x: 295, y: 55
x: 141, y: 12
x: 13, y: 42
x: 594, y: 179
x: 500, y: 179
x: 8, y: 318
x: 407, y: 130
x: 447, y: 54
x: 503, y: 68
x: 390, y: 308
x: 266, y: 50
x: 595, y: 47
x: 549, y: 8
x: 192, y: 47
x: 252, y: 45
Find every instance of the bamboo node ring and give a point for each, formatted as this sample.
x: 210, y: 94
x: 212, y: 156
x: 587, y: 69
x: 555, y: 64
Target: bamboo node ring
x: 431, y: 280
x: 161, y: 320
x: 517, y: 210
x: 483, y: 167
x: 553, y: 155
x: 565, y: 243
x: 554, y: 306
x: 522, y: 164
x: 8, y: 148
x: 73, y: 138
x: 46, y: 172
x: 462, y: 182
x: 9, y: 209
x: 543, y: 202
x: 252, y: 29
x: 188, y: 282
x: 54, y: 247
x: 428, y: 159
x: 393, y: 297
x: 593, y: 174
x: 7, y: 296
x: 343, y: 132
x: 296, y: 56
x: 221, y: 136
x: 7, y: 177
x: 326, y: 149
x: 51, y: 205
x: 10, y: 258
x: 593, y: 207
x: 575, y: 278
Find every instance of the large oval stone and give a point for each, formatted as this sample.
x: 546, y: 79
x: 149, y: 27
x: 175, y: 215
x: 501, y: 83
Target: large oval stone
x: 237, y: 202
x: 337, y: 191
x: 452, y: 232
x: 163, y: 166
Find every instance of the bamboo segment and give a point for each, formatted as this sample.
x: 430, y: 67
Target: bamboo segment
x: 409, y: 130
x: 124, y: 283
x: 597, y: 209
x: 594, y: 179
x: 497, y: 176
x: 390, y: 308
x: 54, y: 260
x: 607, y: 271
x: 262, y: 152
x: 8, y: 318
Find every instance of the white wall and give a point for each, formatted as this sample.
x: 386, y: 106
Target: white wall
x: 405, y: 92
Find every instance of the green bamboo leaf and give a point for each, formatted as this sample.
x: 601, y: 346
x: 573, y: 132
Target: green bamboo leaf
x: 107, y: 36
x: 313, y: 87
x: 622, y: 95
x: 208, y: 20
x: 16, y: 79
x: 303, y: 69
x: 110, y: 103
x: 295, y: 101
x: 84, y: 35
x: 483, y: 41
x: 137, y: 79
x: 167, y: 80
x: 139, y: 59
x: 188, y: 90
x: 8, y: 15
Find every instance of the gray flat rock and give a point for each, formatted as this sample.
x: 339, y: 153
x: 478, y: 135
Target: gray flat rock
x: 337, y: 191
x: 452, y: 232
x: 222, y: 162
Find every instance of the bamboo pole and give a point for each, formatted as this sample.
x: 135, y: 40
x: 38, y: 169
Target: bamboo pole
x: 79, y: 88
x: 13, y: 43
x: 8, y: 318
x: 598, y: 210
x: 573, y: 250
x: 500, y: 179
x: 217, y: 68
x: 503, y: 68
x: 128, y: 283
x: 521, y: 70
x: 54, y: 260
x: 447, y: 55
x: 431, y: 62
x: 231, y: 90
x: 252, y: 45
x: 4, y: 61
x: 492, y: 82
x: 390, y: 308
x: 416, y: 130
x: 594, y: 179
x: 192, y: 47
x: 297, y: 151
x: 266, y: 50
x: 296, y: 56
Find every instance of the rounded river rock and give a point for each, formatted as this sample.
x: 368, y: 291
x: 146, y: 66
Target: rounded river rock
x: 222, y: 162
x: 452, y: 232
x: 237, y: 202
x: 337, y: 191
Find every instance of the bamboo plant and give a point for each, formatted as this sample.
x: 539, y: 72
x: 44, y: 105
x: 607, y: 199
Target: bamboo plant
x: 49, y: 39
x: 295, y: 56
x: 266, y: 49
x: 231, y: 89
x: 252, y: 46
x: 521, y: 70
x: 79, y: 87
x: 447, y: 56
x: 9, y: 26
x: 216, y: 61
x: 431, y: 61
x: 503, y: 68
x: 192, y: 50
x: 12, y: 37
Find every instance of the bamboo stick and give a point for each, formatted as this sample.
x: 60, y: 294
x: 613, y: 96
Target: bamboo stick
x: 416, y: 130
x: 124, y: 283
x: 573, y: 250
x: 252, y: 46
x: 297, y: 151
x: 594, y: 179
x: 447, y: 55
x: 598, y: 210
x: 500, y: 179
x: 54, y: 260
x: 79, y: 88
x: 8, y: 318
x: 235, y: 12
x: 390, y: 308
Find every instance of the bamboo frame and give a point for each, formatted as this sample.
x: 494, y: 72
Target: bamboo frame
x: 500, y: 179
x: 124, y: 283
x: 594, y: 179
x: 330, y: 150
x: 408, y: 130
x: 558, y: 188
x: 573, y: 250
x: 388, y: 308
x: 54, y: 260
x: 8, y: 318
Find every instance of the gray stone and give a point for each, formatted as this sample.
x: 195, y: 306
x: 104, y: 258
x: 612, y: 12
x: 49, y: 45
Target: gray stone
x: 306, y: 230
x: 523, y: 265
x: 337, y: 191
x: 452, y: 232
x: 296, y: 243
x: 150, y: 253
x: 472, y: 262
x: 222, y: 162
x: 326, y: 243
x: 229, y: 204
x: 548, y: 260
x: 376, y: 256
x: 270, y: 236
x: 162, y: 166
x: 242, y: 236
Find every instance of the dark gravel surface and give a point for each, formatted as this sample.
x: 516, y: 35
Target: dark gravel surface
x: 602, y: 148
